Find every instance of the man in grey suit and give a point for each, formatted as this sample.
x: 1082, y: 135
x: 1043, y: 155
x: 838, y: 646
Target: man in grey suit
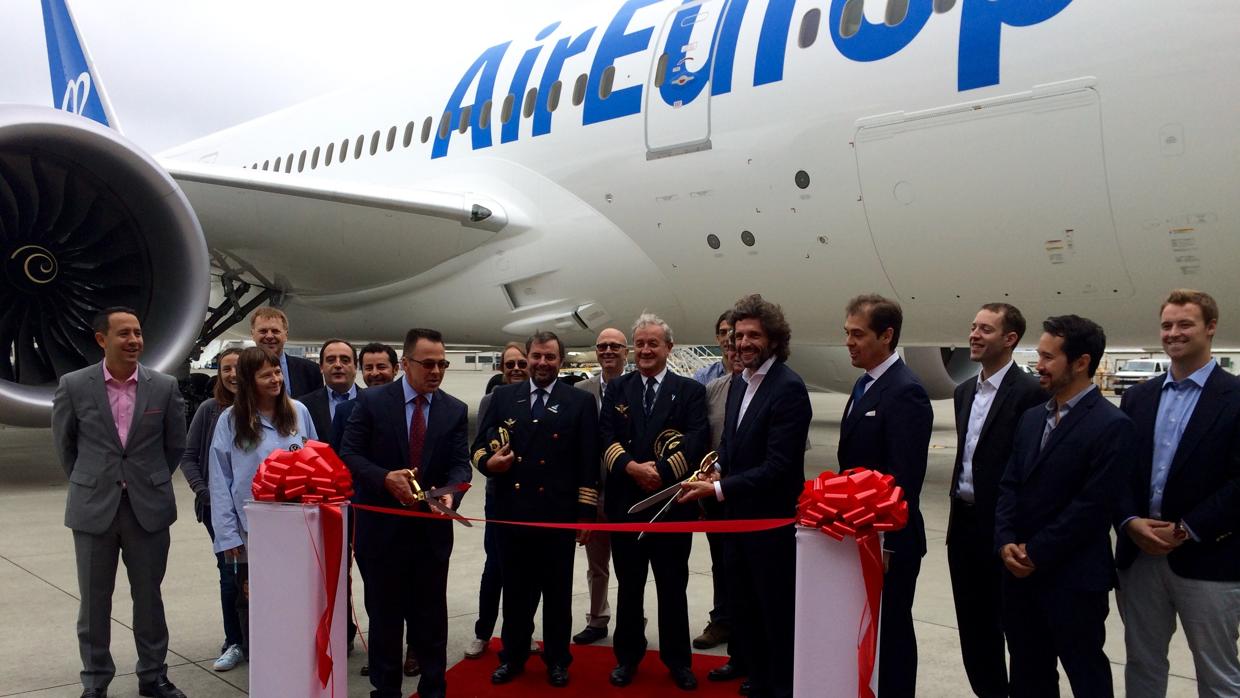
x: 119, y: 430
x: 612, y: 351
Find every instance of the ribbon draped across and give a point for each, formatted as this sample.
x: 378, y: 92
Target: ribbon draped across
x: 859, y: 503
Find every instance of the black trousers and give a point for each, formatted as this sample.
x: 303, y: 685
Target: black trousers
x: 897, y: 650
x: 1045, y: 624
x: 408, y: 578
x: 667, y: 554
x: 977, y: 574
x: 537, y: 562
x: 762, y: 575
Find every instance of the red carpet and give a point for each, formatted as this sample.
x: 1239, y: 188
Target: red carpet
x: 471, y: 678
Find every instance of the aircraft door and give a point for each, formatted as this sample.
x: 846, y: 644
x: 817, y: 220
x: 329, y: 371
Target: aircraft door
x: 678, y: 91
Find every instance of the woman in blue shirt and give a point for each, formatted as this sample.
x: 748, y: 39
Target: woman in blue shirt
x: 262, y: 419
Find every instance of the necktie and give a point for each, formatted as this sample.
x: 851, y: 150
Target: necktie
x: 859, y: 389
x: 539, y: 404
x: 649, y: 399
x: 417, y: 436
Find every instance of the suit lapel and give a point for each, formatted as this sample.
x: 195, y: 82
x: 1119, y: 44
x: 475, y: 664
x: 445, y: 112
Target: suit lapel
x: 1075, y: 416
x: 736, y: 393
x: 966, y: 409
x: 100, y: 392
x: 1001, y: 396
x: 434, y: 426
x: 870, y: 397
x: 1204, y: 416
x: 142, y: 396
x: 760, y: 398
x: 663, y: 402
x: 397, y: 396
x: 551, y: 411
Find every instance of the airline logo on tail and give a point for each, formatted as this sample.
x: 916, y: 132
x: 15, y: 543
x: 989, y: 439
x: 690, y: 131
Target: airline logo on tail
x: 74, y: 86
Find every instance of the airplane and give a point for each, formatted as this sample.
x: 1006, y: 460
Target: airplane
x: 1066, y: 156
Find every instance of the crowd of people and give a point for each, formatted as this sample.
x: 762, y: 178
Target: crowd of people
x: 1046, y: 468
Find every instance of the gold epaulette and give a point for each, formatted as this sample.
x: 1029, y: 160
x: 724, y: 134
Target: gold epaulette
x: 613, y: 452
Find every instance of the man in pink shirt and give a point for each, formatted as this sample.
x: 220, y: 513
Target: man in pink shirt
x: 119, y: 430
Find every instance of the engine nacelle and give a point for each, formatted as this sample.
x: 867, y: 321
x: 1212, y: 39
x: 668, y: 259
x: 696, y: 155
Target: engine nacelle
x: 87, y: 221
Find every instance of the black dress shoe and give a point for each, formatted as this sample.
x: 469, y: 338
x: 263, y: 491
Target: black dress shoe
x: 622, y: 675
x: 744, y: 688
x: 506, y: 672
x: 590, y: 635
x: 684, y: 679
x: 161, y: 688
x: 727, y: 672
x: 95, y: 693
x: 557, y: 675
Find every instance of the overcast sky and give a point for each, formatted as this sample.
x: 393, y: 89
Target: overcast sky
x: 176, y: 70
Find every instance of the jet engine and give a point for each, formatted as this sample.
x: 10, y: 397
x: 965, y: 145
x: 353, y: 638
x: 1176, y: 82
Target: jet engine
x: 87, y: 221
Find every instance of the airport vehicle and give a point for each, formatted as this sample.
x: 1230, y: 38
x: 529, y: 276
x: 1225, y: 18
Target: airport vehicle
x: 1053, y: 154
x: 1137, y: 371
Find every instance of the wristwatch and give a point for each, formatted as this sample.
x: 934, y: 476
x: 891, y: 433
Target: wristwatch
x: 1179, y: 531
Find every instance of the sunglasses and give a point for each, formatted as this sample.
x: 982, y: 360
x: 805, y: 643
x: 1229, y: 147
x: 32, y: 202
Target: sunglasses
x: 431, y: 364
x: 518, y: 363
x: 608, y: 346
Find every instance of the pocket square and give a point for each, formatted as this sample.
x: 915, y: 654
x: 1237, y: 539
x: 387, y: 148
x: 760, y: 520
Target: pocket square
x: 154, y: 411
x: 871, y: 413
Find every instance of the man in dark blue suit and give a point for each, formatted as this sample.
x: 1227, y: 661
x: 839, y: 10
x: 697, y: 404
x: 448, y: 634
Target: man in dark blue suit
x: 338, y: 366
x: 269, y: 330
x: 1052, y: 524
x: 397, y: 432
x: 1177, y: 553
x: 761, y: 474
x: 886, y: 427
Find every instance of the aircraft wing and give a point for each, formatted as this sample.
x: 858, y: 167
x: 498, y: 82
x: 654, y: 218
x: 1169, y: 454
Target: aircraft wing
x: 317, y: 235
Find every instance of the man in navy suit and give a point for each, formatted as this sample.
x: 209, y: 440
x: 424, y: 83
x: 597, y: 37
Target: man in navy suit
x: 269, y: 330
x: 1177, y: 553
x: 1057, y: 498
x: 987, y: 408
x: 762, y: 472
x: 338, y: 366
x: 886, y: 427
x: 407, y: 429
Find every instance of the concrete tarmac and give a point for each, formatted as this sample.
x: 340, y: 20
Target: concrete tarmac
x: 39, y: 594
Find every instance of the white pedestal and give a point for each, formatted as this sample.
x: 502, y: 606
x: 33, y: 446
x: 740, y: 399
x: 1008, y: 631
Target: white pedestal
x: 830, y: 604
x: 287, y: 598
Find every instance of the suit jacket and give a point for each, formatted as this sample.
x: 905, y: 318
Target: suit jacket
x: 628, y: 435
x: 594, y: 386
x: 888, y: 430
x: 376, y: 442
x: 762, y: 458
x: 555, y: 474
x: 339, y: 422
x: 1060, y: 499
x: 1018, y: 392
x: 304, y: 376
x: 90, y: 450
x: 317, y: 402
x: 1203, y: 486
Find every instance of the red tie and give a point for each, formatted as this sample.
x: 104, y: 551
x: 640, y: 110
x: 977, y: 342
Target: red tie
x: 417, y: 437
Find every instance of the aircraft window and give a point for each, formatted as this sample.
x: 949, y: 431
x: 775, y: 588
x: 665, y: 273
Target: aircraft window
x: 660, y: 71
x: 463, y: 124
x: 426, y: 129
x: 747, y: 238
x: 605, y: 85
x: 374, y: 142
x: 327, y: 158
x: 484, y: 118
x: 358, y: 145
x: 530, y: 98
x: 850, y: 18
x: 408, y: 134
x: 897, y: 10
x: 267, y: 165
x: 445, y: 125
x: 941, y: 6
x: 505, y: 113
x: 391, y: 139
x: 553, y: 96
x: 254, y: 166
x: 579, y: 89
x: 809, y: 28
x: 713, y: 241
x: 314, y: 158
x: 278, y: 161
x: 301, y: 162
x: 288, y: 164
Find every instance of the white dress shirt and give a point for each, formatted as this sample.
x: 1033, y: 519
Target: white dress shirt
x: 753, y: 381
x: 987, y: 389
x: 876, y: 373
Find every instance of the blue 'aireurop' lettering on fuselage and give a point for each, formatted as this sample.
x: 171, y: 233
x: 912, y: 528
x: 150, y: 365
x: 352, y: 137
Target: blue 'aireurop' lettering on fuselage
x: 981, y: 26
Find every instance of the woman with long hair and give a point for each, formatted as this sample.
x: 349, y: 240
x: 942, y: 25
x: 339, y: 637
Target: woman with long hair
x: 194, y: 463
x: 262, y: 419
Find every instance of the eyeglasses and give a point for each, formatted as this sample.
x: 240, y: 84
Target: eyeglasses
x: 722, y: 332
x: 431, y: 364
x: 518, y: 363
x: 608, y: 346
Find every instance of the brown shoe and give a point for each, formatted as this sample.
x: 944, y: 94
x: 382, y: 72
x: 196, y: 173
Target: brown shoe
x: 713, y: 636
x: 411, y: 663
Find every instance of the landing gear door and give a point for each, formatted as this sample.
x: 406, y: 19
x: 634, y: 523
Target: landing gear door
x: 678, y: 92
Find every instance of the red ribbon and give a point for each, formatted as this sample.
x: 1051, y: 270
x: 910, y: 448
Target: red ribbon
x: 313, y: 474
x: 729, y: 526
x: 860, y: 503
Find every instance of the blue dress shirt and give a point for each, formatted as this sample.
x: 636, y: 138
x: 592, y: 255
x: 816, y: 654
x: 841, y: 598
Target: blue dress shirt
x: 708, y: 374
x: 410, y: 396
x: 1175, y: 408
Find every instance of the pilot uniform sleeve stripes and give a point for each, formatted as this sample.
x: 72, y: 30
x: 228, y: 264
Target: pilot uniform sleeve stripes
x: 613, y: 453
x: 587, y: 495
x: 680, y: 467
x: 479, y: 456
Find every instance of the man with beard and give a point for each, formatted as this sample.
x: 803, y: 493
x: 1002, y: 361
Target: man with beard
x: 546, y: 471
x: 269, y: 330
x: 637, y: 409
x: 762, y: 470
x: 987, y: 410
x: 1057, y: 500
x: 612, y: 350
x: 338, y: 366
x: 886, y: 427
